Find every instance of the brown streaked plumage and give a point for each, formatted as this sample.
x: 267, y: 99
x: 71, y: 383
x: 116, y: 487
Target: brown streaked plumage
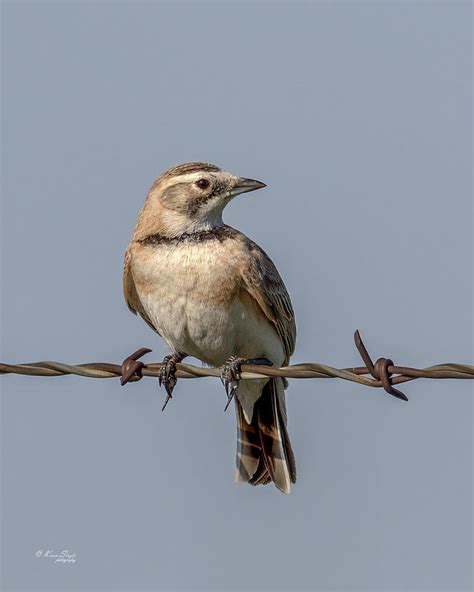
x: 214, y: 294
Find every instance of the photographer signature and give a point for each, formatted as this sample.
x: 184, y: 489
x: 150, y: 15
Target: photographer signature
x: 65, y: 556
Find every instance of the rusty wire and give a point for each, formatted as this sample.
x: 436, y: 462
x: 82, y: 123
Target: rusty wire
x: 383, y: 374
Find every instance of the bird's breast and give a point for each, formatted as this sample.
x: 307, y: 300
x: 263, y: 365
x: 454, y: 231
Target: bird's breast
x: 189, y: 292
x: 204, y: 272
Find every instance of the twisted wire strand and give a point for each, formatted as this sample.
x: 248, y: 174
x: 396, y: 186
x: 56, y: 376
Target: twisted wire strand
x: 305, y: 370
x: 383, y: 374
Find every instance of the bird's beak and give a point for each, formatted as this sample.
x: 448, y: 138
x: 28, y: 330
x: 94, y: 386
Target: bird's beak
x: 244, y: 185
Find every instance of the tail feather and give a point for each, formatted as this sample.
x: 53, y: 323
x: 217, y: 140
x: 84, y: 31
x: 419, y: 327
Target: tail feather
x: 264, y: 450
x: 248, y: 446
x: 261, y: 476
x: 290, y: 456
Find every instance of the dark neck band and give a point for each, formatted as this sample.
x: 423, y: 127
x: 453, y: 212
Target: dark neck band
x: 219, y: 233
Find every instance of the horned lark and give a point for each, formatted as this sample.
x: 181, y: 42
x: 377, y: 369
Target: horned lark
x: 212, y: 293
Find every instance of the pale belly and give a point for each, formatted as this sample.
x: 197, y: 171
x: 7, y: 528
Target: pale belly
x: 193, y: 297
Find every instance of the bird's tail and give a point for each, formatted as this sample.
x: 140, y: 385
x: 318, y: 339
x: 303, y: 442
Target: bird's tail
x: 264, y: 451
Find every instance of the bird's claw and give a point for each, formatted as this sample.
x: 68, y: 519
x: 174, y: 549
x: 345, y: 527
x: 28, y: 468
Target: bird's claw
x: 167, y: 376
x: 231, y: 388
x: 230, y: 376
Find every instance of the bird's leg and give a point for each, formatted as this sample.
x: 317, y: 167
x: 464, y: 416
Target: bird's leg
x: 230, y: 373
x: 167, y: 376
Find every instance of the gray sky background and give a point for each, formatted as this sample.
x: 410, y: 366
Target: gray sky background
x: 358, y: 117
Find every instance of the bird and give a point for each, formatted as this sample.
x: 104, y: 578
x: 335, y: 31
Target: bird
x: 212, y: 293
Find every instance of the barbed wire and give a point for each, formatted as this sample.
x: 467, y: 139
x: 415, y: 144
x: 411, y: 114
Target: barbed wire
x: 383, y: 374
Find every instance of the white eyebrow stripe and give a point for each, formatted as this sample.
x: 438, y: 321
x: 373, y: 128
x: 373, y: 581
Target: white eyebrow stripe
x: 186, y: 178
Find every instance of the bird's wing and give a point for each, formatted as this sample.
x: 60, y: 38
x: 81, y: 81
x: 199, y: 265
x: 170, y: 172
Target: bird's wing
x: 130, y: 291
x: 263, y: 282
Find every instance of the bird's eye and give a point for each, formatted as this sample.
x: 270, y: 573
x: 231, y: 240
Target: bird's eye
x: 202, y: 183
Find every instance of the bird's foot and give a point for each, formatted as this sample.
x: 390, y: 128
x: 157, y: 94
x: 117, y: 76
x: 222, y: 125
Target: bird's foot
x: 230, y: 374
x: 132, y: 367
x: 167, y: 376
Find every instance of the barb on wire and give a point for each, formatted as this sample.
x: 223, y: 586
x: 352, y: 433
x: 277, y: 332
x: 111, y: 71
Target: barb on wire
x: 379, y: 370
x: 383, y: 374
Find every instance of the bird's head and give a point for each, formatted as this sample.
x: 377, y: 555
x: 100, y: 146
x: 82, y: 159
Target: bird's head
x: 190, y: 197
